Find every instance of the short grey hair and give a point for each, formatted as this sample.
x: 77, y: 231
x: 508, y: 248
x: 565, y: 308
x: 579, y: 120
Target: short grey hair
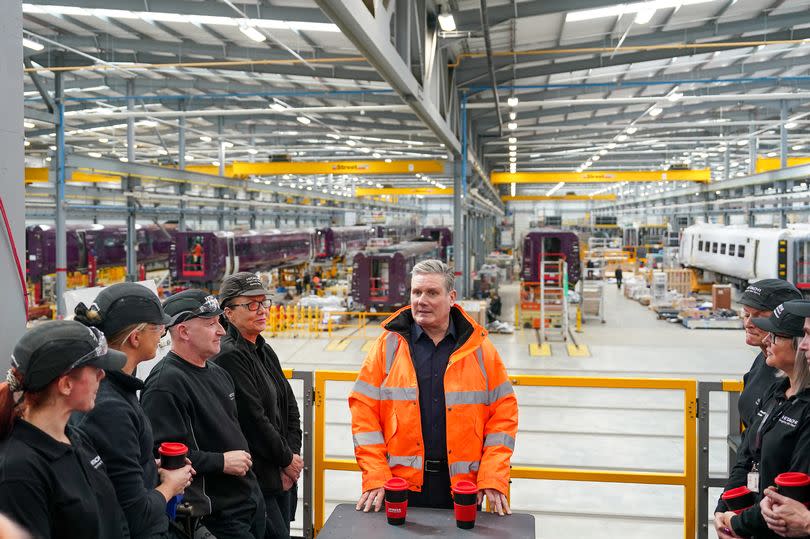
x: 437, y: 267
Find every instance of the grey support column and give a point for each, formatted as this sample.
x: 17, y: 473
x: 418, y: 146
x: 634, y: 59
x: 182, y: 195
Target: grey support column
x: 181, y: 164
x: 221, y: 159
x: 132, y: 252
x: 61, y: 234
x: 753, y: 142
x: 12, y: 190
x: 783, y: 138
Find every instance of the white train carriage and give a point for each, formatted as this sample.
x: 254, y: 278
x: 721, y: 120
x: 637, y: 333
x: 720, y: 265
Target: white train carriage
x: 741, y: 254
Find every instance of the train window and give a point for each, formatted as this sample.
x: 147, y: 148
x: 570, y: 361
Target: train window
x: 741, y: 251
x: 714, y: 246
x: 700, y: 245
x: 731, y: 249
x: 722, y: 248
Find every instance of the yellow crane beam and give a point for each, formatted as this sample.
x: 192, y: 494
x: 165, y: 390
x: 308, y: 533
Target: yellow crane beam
x: 402, y: 191
x: 604, y: 176
x: 539, y: 198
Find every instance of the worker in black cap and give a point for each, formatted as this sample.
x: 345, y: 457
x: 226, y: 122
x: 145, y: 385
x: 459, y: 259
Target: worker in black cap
x: 191, y: 400
x: 52, y: 480
x: 780, y: 435
x: 133, y: 321
x: 786, y: 516
x: 268, y: 411
x: 758, y: 301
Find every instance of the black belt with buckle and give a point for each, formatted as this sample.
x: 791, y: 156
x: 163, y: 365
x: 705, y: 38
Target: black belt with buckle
x: 436, y: 466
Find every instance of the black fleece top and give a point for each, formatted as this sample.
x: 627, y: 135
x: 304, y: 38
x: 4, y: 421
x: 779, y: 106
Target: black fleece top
x: 120, y: 430
x: 756, y: 383
x: 57, y: 490
x: 195, y: 406
x: 785, y: 447
x: 268, y: 411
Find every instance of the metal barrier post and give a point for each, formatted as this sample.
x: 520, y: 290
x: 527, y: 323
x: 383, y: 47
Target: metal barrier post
x: 307, y: 447
x: 705, y: 482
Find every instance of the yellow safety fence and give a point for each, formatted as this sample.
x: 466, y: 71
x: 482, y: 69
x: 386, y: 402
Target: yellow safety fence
x: 312, y: 322
x: 687, y: 479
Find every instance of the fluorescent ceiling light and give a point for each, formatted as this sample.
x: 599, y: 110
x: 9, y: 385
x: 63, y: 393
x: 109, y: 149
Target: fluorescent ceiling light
x: 742, y: 142
x: 602, y: 152
x: 365, y: 150
x: 227, y: 144
x: 29, y: 125
x: 512, y: 153
x: 123, y: 159
x: 621, y: 138
x: 512, y: 140
x: 513, y: 159
x: 632, y: 129
x: 350, y: 142
x: 253, y: 151
x: 94, y: 154
x: 26, y: 143
x: 277, y: 107
x: 513, y: 115
x: 790, y: 125
x: 512, y: 101
x: 511, y: 126
x: 596, y: 157
x: 376, y: 155
x: 512, y: 148
x: 617, y: 10
x: 304, y: 120
x: 797, y: 147
x: 771, y: 154
x: 189, y: 158
x: 645, y: 15
x: 555, y: 189
x: 205, y: 138
x: 252, y: 33
x: 388, y: 160
x: 656, y: 111
x: 33, y: 45
x: 674, y: 96
x: 446, y: 21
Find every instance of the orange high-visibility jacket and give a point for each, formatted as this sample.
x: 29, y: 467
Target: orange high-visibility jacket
x: 482, y: 411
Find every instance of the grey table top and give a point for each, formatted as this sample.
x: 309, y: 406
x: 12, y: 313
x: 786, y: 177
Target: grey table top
x: 345, y: 523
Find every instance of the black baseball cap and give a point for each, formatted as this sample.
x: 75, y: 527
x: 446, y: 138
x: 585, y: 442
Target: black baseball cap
x: 768, y: 294
x: 798, y: 307
x: 240, y: 284
x: 121, y: 305
x: 190, y: 304
x: 49, y: 350
x: 781, y: 322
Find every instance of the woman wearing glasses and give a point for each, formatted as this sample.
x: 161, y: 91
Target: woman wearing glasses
x: 52, y: 479
x: 268, y: 411
x: 778, y: 440
x: 133, y: 321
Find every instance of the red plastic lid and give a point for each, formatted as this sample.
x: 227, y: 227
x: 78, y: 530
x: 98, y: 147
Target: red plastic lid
x: 735, y: 493
x: 396, y: 483
x: 465, y: 487
x: 792, y: 479
x: 173, y: 449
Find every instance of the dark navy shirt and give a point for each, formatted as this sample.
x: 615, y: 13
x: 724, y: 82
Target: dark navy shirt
x: 430, y: 362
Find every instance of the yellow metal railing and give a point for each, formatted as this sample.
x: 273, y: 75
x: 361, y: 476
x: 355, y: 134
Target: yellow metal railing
x: 313, y: 322
x: 687, y: 479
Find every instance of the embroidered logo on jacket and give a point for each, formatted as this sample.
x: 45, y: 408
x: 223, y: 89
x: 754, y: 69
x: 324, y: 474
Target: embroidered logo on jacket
x: 789, y: 421
x: 96, y: 462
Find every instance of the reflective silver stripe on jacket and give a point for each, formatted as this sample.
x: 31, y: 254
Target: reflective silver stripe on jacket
x: 391, y: 345
x: 500, y: 438
x: 464, y: 466
x: 501, y: 391
x: 453, y: 398
x: 410, y: 462
x: 364, y: 388
x: 368, y: 438
x: 479, y: 355
x: 398, y: 393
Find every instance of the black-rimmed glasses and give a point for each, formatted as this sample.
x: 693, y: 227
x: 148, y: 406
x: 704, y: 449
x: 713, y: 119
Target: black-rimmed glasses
x: 253, y: 306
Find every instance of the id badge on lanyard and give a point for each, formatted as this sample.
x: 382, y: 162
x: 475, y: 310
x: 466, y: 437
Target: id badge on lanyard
x: 764, y: 426
x: 753, y: 478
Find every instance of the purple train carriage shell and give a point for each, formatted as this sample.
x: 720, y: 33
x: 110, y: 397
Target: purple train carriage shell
x: 398, y: 233
x: 441, y: 234
x: 205, y: 258
x: 341, y: 241
x: 549, y: 242
x: 381, y: 279
x: 94, y: 246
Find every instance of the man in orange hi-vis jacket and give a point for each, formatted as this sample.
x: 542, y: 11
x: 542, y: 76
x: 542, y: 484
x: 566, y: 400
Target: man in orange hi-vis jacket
x: 432, y: 403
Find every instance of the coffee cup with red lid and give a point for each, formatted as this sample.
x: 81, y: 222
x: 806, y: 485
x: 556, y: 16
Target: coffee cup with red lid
x: 396, y: 500
x: 172, y: 455
x: 794, y: 485
x: 739, y: 499
x: 465, y: 504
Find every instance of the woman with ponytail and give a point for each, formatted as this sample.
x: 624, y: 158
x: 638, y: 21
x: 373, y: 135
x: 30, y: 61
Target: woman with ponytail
x: 132, y: 319
x: 52, y: 480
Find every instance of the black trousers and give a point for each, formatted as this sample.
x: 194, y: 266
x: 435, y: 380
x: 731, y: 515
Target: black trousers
x: 280, y: 511
x: 435, y: 491
x: 245, y: 521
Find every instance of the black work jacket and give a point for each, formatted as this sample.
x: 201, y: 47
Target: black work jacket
x: 756, y: 383
x: 120, y: 430
x: 57, y: 490
x: 268, y: 411
x: 783, y: 425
